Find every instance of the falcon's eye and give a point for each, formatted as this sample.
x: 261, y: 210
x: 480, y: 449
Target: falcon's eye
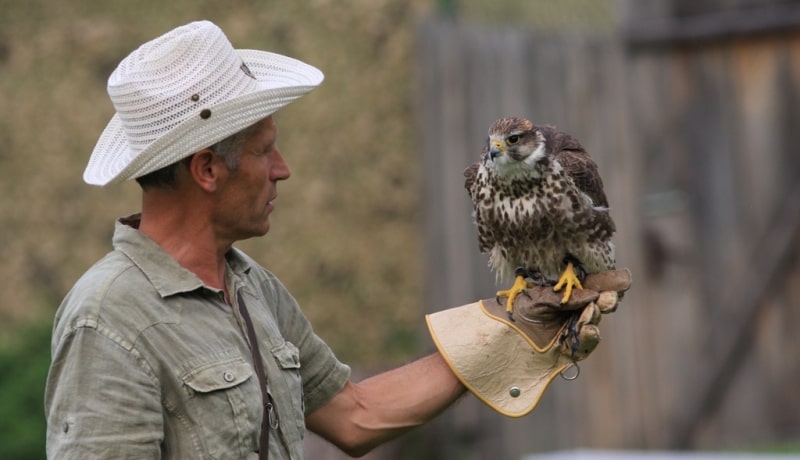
x: 512, y: 139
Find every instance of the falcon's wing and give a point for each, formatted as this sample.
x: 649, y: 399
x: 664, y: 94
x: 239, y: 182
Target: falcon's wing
x: 577, y: 164
x: 469, y: 175
x: 486, y: 237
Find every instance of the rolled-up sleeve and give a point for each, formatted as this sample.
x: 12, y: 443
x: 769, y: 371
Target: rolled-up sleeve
x: 101, y: 400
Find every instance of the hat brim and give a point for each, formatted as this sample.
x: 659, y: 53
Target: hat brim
x: 281, y: 80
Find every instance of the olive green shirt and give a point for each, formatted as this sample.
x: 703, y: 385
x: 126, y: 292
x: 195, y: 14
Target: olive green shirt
x: 148, y: 362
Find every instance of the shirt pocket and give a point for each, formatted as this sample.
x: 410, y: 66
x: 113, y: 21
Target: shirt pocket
x: 218, y: 396
x: 289, y: 388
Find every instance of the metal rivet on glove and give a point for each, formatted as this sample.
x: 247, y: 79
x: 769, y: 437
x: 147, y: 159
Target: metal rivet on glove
x: 514, y: 392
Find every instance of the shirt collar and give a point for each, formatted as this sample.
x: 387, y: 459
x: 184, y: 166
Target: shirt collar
x: 166, y: 275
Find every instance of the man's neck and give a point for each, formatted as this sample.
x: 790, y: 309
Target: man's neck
x: 188, y: 237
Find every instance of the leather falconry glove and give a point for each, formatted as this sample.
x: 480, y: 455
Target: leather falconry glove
x: 509, y: 364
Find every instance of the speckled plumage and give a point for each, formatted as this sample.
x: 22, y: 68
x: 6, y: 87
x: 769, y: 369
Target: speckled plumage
x: 537, y: 198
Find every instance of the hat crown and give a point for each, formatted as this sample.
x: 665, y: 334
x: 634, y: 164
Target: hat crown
x: 170, y: 79
x: 185, y: 91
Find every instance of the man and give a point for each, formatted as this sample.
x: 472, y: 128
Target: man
x: 176, y: 344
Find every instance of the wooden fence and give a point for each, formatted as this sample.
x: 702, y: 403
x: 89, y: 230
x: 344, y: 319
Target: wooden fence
x: 697, y: 143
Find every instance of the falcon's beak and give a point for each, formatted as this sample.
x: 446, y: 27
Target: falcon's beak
x: 496, y: 148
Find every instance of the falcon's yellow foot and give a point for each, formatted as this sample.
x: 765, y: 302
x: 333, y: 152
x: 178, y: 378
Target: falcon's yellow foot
x: 520, y: 284
x: 569, y: 280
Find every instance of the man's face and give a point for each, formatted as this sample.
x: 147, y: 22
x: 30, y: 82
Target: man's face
x: 246, y: 195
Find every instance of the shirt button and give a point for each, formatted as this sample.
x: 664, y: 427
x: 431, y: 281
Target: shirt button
x: 229, y: 377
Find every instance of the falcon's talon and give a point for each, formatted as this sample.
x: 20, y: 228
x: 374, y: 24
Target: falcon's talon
x: 569, y: 280
x: 520, y: 284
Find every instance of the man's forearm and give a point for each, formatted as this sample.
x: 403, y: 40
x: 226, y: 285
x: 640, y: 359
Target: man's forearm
x: 369, y: 413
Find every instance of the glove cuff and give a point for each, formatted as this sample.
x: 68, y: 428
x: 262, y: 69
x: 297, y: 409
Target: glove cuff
x: 494, y: 359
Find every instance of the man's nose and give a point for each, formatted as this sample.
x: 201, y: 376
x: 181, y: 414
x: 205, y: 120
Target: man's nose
x: 280, y: 169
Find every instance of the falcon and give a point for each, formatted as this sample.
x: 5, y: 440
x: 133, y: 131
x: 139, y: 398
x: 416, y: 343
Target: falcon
x: 540, y: 209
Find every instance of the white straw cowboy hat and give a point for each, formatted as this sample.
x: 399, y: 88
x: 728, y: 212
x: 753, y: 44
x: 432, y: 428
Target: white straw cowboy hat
x: 185, y: 91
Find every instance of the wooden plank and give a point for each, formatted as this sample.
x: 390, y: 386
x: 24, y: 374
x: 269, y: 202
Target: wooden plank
x: 703, y: 28
x: 769, y: 258
x: 680, y: 137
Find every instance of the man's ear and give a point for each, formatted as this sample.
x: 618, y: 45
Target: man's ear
x: 204, y: 169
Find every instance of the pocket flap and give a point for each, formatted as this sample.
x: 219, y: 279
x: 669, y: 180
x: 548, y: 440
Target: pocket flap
x: 287, y: 355
x: 219, y: 375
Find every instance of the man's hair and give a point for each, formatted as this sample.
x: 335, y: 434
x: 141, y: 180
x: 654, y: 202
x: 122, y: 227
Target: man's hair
x: 230, y: 149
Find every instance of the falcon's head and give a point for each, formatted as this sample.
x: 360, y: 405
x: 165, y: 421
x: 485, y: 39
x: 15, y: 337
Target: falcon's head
x: 514, y: 146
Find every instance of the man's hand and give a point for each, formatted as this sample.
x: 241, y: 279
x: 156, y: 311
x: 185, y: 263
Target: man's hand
x: 509, y: 364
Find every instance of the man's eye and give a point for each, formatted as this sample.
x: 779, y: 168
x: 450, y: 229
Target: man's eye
x: 512, y: 139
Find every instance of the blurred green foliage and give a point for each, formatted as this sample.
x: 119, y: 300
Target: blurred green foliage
x: 23, y: 365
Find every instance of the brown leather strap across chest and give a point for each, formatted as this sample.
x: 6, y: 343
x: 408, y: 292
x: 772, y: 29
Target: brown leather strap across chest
x: 269, y: 419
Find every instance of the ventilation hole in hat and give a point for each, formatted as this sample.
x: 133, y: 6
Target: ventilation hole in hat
x: 195, y: 97
x: 205, y: 114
